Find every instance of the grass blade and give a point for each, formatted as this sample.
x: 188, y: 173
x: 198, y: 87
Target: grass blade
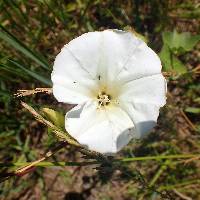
x: 40, y: 78
x: 13, y: 41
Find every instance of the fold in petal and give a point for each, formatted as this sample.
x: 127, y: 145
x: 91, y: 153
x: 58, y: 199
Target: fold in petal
x: 116, y: 49
x: 104, y: 53
x: 86, y: 50
x: 103, y: 130
x: 142, y: 99
x: 144, y: 116
x: 143, y: 62
x: 94, y: 60
x: 148, y: 90
x: 71, y: 82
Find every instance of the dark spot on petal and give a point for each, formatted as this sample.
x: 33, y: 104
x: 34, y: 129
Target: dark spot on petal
x: 99, y: 77
x: 74, y: 82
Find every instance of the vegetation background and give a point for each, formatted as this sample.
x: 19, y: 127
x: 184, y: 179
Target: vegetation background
x: 32, y: 34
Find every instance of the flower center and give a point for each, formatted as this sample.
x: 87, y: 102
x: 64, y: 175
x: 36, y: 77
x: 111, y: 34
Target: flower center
x: 103, y: 99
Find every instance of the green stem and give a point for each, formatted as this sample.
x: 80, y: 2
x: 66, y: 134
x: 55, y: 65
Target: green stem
x: 48, y: 164
x: 159, y: 172
x: 158, y: 157
x: 170, y: 187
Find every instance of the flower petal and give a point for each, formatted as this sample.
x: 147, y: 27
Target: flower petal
x: 144, y: 117
x: 103, y: 130
x: 92, y: 59
x: 86, y: 50
x: 142, y: 99
x: 104, y: 53
x: 147, y: 90
x: 71, y: 82
x: 116, y: 49
x: 143, y: 62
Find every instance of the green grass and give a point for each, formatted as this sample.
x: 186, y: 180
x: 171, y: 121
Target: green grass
x: 32, y: 34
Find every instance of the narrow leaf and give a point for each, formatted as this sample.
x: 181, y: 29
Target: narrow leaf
x: 36, y: 76
x: 13, y: 41
x: 193, y: 110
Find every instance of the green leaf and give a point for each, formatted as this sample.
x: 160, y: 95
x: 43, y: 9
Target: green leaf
x: 197, y: 99
x: 180, y: 42
x: 178, y: 66
x: 171, y: 62
x: 9, y: 72
x: 71, y: 7
x: 57, y: 118
x: 165, y: 57
x: 13, y: 41
x: 40, y: 78
x: 192, y: 110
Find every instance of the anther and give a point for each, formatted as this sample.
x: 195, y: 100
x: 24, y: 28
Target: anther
x: 103, y: 99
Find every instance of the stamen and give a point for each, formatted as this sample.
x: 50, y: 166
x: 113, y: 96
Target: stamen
x: 103, y: 99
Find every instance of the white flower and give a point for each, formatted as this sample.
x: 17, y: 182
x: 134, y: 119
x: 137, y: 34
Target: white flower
x: 116, y: 80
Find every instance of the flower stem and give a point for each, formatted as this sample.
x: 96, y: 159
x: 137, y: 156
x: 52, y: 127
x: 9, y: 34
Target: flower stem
x: 179, y: 185
x: 177, y: 156
x: 50, y: 164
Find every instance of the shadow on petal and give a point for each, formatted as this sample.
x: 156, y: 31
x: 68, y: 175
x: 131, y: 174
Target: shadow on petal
x: 139, y: 132
x: 143, y: 128
x: 124, y: 138
x: 75, y: 112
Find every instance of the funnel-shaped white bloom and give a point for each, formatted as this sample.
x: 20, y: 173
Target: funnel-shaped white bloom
x: 116, y: 80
